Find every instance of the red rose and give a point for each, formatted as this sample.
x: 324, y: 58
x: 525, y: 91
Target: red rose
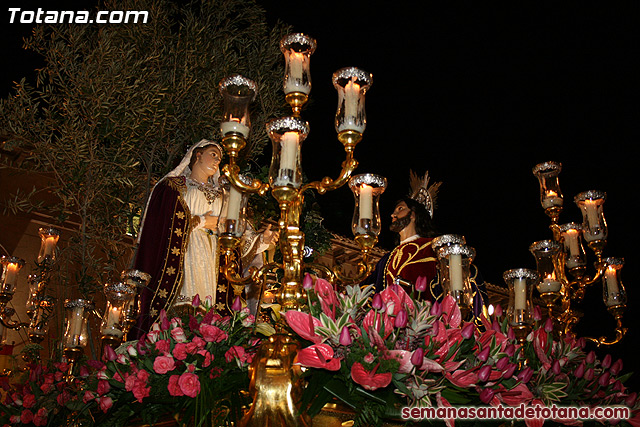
x: 103, y: 387
x: 28, y: 400
x: 40, y: 418
x: 163, y: 364
x: 189, y: 384
x: 180, y: 351
x: 212, y: 333
x: 26, y: 416
x: 173, y: 387
x: 163, y: 346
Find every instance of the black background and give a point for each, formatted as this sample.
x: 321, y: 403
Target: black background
x: 477, y: 93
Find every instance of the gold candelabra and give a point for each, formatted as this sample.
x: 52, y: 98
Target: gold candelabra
x: 562, y: 262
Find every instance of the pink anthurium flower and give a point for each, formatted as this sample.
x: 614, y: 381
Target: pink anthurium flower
x: 382, y: 321
x: 453, y: 315
x: 370, y: 380
x: 304, y: 325
x: 462, y: 378
x: 318, y: 356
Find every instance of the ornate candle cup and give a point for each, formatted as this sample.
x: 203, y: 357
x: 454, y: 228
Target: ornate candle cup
x: 546, y: 253
x: 367, y: 189
x: 352, y: 85
x: 454, y: 264
x: 286, y: 134
x: 9, y: 277
x: 232, y: 223
x: 113, y: 322
x: 550, y: 194
x: 36, y: 289
x: 447, y: 240
x: 575, y: 259
x: 40, y: 319
x: 76, y: 312
x: 237, y: 92
x: 297, y: 49
x: 48, y: 241
x: 613, y: 291
x: 594, y: 226
x: 520, y: 312
x: 139, y: 280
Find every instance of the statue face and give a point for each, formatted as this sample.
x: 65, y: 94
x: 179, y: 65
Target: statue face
x: 401, y: 217
x: 209, y: 160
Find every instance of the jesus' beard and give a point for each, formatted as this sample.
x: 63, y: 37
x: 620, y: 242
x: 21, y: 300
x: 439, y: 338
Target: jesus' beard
x: 400, y: 224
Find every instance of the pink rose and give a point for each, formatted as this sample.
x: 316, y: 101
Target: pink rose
x: 28, y: 400
x: 173, y: 387
x: 105, y: 403
x: 212, y: 333
x: 208, y: 357
x: 63, y: 398
x: 88, y: 396
x: 238, y: 353
x: 178, y: 335
x: 189, y: 384
x: 140, y: 391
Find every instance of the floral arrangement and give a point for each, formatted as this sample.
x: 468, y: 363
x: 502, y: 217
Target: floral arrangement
x: 380, y: 352
x: 181, y: 366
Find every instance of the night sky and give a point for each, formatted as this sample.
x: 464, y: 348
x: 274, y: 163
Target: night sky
x: 477, y: 93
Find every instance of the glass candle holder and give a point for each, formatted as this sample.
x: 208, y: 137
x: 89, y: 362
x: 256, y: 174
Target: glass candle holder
x: 366, y: 189
x: 36, y: 289
x: 49, y: 237
x: 454, y: 264
x: 550, y: 194
x: 75, y: 323
x: 118, y: 296
x: 297, y: 49
x: 575, y: 257
x: 613, y: 292
x: 9, y: 276
x: 39, y: 324
x: 237, y: 93
x: 520, y: 282
x: 594, y: 226
x: 138, y: 280
x: 352, y: 85
x: 546, y: 253
x: 286, y: 134
x: 234, y: 208
x: 447, y: 240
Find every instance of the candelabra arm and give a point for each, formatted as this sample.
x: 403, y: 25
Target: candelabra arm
x: 232, y: 172
x: 231, y: 269
x: 617, y: 312
x: 13, y: 324
x: 329, y: 184
x: 331, y: 275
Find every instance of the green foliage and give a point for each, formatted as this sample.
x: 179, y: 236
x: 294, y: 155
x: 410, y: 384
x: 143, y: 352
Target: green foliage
x: 115, y: 106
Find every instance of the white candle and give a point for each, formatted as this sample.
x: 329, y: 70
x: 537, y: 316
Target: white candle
x: 288, y: 151
x: 549, y: 284
x: 351, y: 98
x: 366, y: 202
x: 455, y: 272
x: 612, y: 286
x: 520, y: 293
x: 295, y: 81
x: 551, y: 199
x: 49, y: 246
x: 234, y: 125
x: 235, y: 197
x: 571, y: 237
x: 591, y: 208
x: 75, y: 326
x: 11, y: 274
x: 113, y: 319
